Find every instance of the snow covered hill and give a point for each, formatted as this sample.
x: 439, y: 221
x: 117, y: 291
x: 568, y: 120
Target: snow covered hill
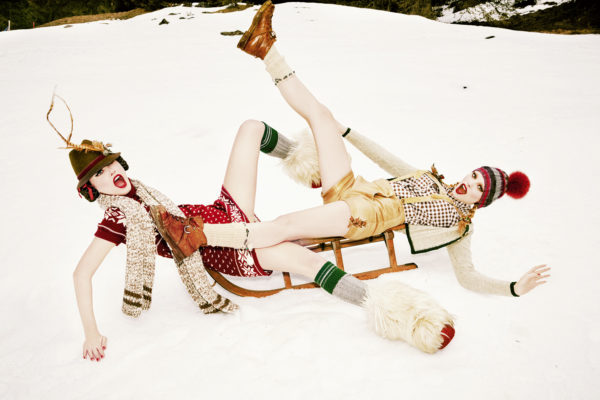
x: 494, y: 10
x: 171, y: 97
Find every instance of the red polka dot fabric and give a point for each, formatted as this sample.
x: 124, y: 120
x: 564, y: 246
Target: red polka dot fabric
x: 222, y: 259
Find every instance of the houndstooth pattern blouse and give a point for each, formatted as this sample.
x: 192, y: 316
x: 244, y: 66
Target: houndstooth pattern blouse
x: 438, y: 213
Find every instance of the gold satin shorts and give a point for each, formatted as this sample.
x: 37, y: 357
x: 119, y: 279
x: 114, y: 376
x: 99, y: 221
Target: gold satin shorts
x: 374, y: 207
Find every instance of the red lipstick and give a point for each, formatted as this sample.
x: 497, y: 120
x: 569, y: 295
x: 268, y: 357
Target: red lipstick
x: 119, y: 181
x: 461, y: 189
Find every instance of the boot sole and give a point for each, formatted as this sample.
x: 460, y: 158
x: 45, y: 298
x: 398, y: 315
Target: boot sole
x: 177, y: 253
x: 246, y: 36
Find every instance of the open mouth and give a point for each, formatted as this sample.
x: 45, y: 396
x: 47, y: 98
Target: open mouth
x: 119, y: 181
x: 461, y: 189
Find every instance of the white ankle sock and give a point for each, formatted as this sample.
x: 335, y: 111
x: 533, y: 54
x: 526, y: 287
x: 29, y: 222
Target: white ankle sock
x: 276, y: 66
x: 234, y: 235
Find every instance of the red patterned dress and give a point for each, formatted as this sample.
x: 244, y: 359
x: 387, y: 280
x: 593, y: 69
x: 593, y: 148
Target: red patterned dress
x: 222, y: 259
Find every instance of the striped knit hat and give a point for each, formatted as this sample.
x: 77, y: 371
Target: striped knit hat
x: 498, y: 182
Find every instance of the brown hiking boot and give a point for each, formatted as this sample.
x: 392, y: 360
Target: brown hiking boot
x: 259, y: 38
x: 183, y: 235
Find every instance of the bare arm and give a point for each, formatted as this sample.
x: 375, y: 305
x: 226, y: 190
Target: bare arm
x: 93, y: 256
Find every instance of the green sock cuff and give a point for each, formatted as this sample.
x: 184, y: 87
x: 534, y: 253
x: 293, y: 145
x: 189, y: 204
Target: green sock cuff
x: 269, y: 139
x: 328, y: 276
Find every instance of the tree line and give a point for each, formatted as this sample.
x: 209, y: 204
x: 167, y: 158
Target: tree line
x: 578, y: 13
x: 25, y: 13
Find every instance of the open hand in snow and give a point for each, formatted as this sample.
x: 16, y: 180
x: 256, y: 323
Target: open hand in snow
x: 534, y: 277
x: 94, y: 347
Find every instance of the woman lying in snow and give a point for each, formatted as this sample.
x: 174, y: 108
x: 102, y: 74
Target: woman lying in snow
x: 131, y: 217
x: 437, y: 215
x: 133, y: 212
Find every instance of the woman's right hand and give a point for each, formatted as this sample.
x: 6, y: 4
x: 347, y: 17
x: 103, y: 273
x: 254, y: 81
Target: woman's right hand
x: 94, y: 347
x: 533, y: 278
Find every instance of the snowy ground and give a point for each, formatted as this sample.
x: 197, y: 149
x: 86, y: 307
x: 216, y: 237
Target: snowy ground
x: 171, y: 98
x: 494, y: 10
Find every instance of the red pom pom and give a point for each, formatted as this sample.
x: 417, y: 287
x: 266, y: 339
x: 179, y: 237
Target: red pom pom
x: 518, y: 185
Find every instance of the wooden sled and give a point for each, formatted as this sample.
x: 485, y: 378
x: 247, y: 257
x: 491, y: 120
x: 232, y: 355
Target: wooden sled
x: 325, y: 244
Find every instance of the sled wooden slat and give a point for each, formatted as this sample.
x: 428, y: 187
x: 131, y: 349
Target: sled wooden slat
x: 335, y: 244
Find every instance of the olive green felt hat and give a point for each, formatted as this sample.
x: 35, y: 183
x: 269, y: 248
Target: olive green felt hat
x: 86, y: 162
x: 88, y: 157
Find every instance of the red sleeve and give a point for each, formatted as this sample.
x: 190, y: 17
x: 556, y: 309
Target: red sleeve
x: 112, y: 228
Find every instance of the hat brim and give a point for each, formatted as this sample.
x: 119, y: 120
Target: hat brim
x: 101, y: 164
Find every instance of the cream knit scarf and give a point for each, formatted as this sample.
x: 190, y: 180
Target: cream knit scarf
x: 141, y: 254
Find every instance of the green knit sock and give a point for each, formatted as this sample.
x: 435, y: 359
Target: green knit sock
x: 275, y: 144
x: 337, y: 282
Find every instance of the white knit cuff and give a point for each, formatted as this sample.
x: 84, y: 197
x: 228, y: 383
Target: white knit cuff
x: 276, y: 66
x: 233, y: 235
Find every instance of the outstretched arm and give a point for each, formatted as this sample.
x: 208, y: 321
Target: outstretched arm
x: 379, y: 155
x: 468, y: 277
x: 95, y: 343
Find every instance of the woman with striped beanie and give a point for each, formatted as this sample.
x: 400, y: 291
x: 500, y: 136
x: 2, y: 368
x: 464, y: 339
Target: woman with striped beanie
x: 437, y: 215
x: 491, y: 184
x: 130, y: 218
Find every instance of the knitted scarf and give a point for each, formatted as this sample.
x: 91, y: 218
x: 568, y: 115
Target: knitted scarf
x: 141, y: 255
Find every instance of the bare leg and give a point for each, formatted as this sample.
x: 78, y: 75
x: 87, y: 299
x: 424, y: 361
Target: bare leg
x: 290, y: 257
x: 240, y: 182
x: 334, y: 161
x: 322, y: 221
x: 397, y: 311
x: 240, y: 176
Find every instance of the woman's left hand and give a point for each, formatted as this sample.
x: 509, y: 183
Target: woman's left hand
x: 532, y: 278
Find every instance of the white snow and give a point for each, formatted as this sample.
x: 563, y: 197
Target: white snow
x: 171, y: 97
x: 494, y: 10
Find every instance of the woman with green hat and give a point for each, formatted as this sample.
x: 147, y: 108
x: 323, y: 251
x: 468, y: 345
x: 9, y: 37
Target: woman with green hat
x: 130, y: 218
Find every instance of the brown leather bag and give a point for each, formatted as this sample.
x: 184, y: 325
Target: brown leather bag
x: 183, y: 235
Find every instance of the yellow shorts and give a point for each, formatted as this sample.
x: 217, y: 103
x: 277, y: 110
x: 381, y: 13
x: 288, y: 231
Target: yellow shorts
x: 373, y: 205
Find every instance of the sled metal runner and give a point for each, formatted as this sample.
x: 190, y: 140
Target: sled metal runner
x: 335, y: 244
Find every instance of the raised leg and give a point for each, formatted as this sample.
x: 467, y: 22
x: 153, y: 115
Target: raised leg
x: 334, y: 161
x: 259, y: 41
x: 240, y: 176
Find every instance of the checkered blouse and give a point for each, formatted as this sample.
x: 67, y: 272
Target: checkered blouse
x: 438, y: 213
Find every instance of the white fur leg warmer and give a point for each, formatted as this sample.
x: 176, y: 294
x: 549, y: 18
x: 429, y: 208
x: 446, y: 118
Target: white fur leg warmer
x: 398, y: 311
x: 302, y: 163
